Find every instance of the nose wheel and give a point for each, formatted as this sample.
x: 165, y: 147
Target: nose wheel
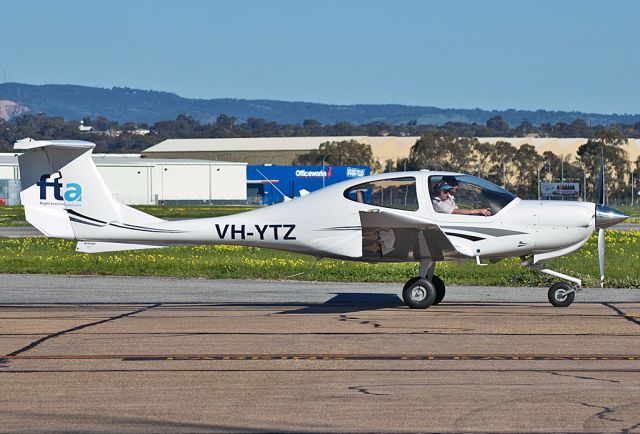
x: 561, y: 295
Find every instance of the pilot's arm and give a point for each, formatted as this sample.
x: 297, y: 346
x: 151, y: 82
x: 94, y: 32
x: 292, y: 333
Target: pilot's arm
x: 480, y: 211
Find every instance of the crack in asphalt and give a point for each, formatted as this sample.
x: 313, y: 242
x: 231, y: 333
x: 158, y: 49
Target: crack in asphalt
x: 583, y: 377
x: 602, y: 415
x: 630, y: 429
x: 366, y: 391
x: 622, y: 313
x: 363, y: 322
x: 37, y: 342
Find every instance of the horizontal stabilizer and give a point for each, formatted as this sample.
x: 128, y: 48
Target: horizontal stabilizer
x: 26, y: 144
x: 103, y: 246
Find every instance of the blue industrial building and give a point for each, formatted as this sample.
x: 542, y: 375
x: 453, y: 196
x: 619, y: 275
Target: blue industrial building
x: 267, y: 184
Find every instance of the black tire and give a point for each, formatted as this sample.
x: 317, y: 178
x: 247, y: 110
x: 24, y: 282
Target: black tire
x: 419, y: 293
x: 411, y: 282
x: 559, y: 295
x: 440, y: 289
x: 437, y: 282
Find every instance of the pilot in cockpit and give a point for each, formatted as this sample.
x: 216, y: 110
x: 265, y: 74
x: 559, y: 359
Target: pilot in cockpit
x: 444, y: 201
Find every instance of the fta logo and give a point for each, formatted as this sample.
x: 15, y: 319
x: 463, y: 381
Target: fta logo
x: 72, y: 192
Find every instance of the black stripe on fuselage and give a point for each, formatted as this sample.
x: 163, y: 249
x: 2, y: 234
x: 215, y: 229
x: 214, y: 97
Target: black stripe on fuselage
x: 77, y: 214
x: 465, y: 236
x: 141, y: 229
x: 94, y: 222
x: 73, y: 219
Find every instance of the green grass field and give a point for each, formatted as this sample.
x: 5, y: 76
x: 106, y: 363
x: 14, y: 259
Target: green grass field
x: 12, y: 216
x: 41, y: 255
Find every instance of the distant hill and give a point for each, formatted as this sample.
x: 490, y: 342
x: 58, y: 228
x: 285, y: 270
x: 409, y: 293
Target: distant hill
x: 124, y: 104
x: 11, y: 109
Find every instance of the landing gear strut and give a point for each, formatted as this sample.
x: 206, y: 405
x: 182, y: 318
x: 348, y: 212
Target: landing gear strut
x: 425, y: 290
x: 560, y: 294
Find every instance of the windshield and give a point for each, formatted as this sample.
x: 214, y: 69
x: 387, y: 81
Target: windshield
x: 470, y: 192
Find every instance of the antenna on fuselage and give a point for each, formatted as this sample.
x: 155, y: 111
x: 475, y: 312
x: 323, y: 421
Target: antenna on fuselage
x: 286, y: 198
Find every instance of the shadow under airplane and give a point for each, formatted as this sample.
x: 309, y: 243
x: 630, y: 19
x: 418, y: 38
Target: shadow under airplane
x: 346, y: 302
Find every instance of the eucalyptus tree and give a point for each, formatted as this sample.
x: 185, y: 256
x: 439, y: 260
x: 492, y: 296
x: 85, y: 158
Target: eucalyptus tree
x: 607, y: 142
x: 527, y: 163
x: 503, y: 169
x: 437, y: 150
x: 343, y: 152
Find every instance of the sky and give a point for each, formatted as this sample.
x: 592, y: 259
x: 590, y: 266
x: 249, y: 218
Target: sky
x: 552, y: 55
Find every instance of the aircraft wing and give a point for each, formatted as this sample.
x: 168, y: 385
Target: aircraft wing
x: 389, y: 236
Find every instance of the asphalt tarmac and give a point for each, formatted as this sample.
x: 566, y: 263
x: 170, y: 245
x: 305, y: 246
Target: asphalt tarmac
x: 110, y: 354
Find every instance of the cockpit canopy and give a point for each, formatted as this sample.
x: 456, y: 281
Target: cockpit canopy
x: 398, y: 193
x: 472, y: 193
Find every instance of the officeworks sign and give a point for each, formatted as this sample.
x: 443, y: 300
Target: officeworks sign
x: 350, y: 172
x: 303, y: 173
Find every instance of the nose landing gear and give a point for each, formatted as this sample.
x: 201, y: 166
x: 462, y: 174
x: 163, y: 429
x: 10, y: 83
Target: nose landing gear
x: 561, y: 294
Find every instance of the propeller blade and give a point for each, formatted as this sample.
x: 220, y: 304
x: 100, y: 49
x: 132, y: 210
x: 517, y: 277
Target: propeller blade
x: 601, y: 180
x: 601, y: 255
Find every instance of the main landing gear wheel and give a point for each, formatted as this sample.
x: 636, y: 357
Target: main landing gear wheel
x: 561, y: 294
x: 419, y: 293
x: 440, y: 289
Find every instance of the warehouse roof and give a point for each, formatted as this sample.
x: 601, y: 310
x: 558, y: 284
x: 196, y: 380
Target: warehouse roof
x: 383, y: 148
x: 245, y: 144
x: 126, y: 160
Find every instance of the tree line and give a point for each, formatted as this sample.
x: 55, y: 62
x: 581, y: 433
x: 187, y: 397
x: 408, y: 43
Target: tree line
x: 453, y: 146
x: 112, y: 136
x: 518, y: 169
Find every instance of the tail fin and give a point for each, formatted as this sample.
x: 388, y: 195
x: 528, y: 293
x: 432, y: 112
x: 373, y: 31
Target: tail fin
x: 61, y: 185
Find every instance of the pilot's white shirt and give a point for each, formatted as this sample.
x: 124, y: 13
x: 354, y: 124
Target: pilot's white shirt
x: 444, y: 206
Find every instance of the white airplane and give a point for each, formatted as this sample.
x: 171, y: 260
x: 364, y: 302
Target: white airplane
x: 381, y: 218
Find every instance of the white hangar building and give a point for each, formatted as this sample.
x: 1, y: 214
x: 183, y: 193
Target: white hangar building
x: 137, y: 181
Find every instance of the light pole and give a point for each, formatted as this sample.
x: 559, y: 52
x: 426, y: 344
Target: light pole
x: 584, y: 182
x: 632, y: 181
x: 324, y: 175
